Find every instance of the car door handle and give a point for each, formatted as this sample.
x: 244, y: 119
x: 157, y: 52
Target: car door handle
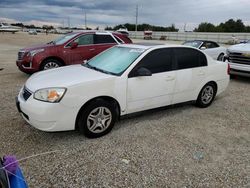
x: 169, y: 78
x: 92, y: 49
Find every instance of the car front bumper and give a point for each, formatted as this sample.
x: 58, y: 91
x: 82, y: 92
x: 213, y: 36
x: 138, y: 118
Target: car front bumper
x: 49, y: 117
x: 25, y: 66
x: 238, y: 69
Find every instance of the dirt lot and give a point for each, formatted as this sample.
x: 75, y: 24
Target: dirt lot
x: 181, y: 146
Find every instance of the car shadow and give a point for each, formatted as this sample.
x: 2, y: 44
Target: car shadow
x: 153, y: 114
x: 240, y: 79
x: 127, y: 120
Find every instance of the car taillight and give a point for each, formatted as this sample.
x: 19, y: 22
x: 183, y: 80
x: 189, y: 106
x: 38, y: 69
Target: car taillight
x: 228, y: 68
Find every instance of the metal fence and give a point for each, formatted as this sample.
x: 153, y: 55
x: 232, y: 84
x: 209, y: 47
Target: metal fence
x: 184, y: 36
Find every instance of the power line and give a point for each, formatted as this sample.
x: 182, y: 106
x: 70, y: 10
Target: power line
x: 68, y: 22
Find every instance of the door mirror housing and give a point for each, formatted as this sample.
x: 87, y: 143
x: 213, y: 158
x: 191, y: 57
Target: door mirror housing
x: 73, y: 45
x: 203, y: 48
x: 142, y: 71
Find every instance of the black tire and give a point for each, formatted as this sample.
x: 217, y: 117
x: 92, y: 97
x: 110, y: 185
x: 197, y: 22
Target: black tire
x: 232, y: 76
x: 84, y: 121
x: 211, y: 90
x: 221, y: 57
x: 53, y: 62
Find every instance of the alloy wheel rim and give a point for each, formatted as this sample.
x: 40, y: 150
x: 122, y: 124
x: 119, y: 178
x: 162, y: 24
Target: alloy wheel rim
x: 207, y: 94
x: 99, y: 119
x: 51, y: 65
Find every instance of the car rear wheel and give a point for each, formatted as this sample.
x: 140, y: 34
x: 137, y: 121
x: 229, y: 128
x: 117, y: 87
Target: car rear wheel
x: 50, y: 64
x: 220, y: 57
x: 97, y: 119
x: 206, y: 95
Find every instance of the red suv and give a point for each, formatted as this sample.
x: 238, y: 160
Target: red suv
x: 73, y: 48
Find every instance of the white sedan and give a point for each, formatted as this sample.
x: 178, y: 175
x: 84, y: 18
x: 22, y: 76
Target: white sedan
x: 211, y: 48
x: 122, y: 80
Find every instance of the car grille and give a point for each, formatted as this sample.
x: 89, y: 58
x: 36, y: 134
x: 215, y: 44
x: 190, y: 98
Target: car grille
x: 240, y: 58
x: 26, y: 93
x: 20, y: 55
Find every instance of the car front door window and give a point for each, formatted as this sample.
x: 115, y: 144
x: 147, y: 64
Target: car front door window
x: 85, y: 40
x: 82, y: 52
x: 156, y: 61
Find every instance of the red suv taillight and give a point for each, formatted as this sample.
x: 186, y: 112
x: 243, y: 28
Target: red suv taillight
x: 228, y: 68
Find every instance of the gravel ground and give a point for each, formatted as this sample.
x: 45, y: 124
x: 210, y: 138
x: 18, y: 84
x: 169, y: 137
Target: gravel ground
x: 180, y: 146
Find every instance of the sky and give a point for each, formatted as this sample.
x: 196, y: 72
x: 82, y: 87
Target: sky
x: 104, y: 13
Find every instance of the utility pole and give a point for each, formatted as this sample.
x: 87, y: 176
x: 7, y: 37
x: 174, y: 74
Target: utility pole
x: 85, y: 18
x: 136, y: 20
x: 68, y: 22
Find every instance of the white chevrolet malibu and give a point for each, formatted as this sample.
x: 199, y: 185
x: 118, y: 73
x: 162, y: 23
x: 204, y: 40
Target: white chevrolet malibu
x: 122, y: 80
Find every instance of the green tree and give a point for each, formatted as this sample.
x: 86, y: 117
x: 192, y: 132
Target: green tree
x: 205, y: 27
x: 229, y: 26
x: 144, y: 26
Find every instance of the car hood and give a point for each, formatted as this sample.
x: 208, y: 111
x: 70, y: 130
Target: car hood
x: 36, y: 47
x: 64, y: 77
x: 243, y: 48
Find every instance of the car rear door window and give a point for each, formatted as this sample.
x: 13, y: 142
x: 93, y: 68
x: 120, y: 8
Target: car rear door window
x: 189, y: 58
x: 104, y: 39
x: 157, y: 61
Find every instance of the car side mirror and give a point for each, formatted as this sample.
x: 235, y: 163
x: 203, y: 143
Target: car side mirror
x: 142, y: 71
x: 203, y: 48
x: 73, y: 45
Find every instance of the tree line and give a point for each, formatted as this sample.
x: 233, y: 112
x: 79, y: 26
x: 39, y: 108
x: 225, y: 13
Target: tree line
x: 143, y: 27
x: 228, y: 26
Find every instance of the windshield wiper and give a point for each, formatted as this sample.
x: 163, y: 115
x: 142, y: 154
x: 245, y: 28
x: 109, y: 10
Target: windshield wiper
x: 97, y: 69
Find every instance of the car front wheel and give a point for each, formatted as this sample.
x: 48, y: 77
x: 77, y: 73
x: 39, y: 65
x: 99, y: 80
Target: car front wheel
x: 50, y: 64
x: 97, y: 119
x: 206, y: 95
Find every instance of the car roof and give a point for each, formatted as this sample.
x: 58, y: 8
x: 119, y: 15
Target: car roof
x: 147, y: 46
x: 94, y: 31
x: 200, y: 41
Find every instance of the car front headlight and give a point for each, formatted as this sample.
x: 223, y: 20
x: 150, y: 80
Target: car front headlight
x: 52, y: 95
x: 34, y: 52
x: 227, y: 52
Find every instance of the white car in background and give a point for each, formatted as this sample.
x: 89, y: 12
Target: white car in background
x: 119, y: 81
x: 211, y: 48
x: 32, y: 32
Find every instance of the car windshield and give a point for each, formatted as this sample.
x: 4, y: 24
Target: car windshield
x: 114, y: 60
x: 63, y: 39
x: 195, y: 44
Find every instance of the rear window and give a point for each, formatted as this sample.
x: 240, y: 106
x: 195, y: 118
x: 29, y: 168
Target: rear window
x: 118, y: 39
